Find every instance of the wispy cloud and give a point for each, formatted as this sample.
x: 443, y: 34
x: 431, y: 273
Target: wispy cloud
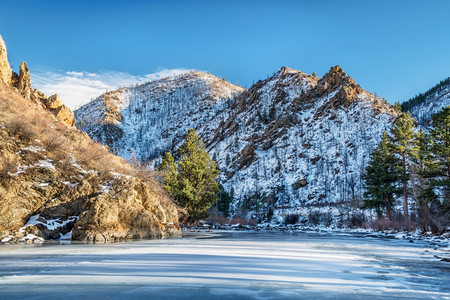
x: 78, y: 88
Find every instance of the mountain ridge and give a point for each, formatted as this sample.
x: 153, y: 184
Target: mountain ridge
x: 272, y: 141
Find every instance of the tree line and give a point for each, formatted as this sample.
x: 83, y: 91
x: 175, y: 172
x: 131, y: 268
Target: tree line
x: 412, y: 165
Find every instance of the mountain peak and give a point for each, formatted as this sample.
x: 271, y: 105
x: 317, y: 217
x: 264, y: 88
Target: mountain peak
x: 286, y: 70
x: 336, y: 75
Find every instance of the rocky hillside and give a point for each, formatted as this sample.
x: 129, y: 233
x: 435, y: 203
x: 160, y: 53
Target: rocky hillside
x: 150, y: 119
x: 289, y: 145
x: 423, y: 106
x: 56, y: 183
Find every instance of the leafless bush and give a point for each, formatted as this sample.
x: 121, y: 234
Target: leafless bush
x: 291, y: 219
x: 357, y: 220
x: 243, y: 221
x: 7, y: 167
x: 319, y: 218
x: 21, y: 129
x: 53, y: 143
x: 218, y: 219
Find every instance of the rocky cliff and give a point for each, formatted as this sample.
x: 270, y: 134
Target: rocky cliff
x: 22, y: 84
x: 289, y: 145
x: 5, y: 69
x: 56, y: 183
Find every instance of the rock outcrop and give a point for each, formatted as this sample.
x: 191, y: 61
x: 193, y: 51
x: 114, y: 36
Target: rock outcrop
x: 5, y: 69
x: 56, y: 183
x: 57, y: 108
x: 22, y: 83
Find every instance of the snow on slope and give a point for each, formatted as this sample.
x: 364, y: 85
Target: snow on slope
x: 150, y: 119
x: 288, y: 143
x: 311, y: 155
x: 423, y: 106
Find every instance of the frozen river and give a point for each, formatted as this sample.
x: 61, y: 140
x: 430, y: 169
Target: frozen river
x: 228, y: 265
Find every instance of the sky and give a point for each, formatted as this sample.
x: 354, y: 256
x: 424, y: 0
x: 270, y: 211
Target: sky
x: 79, y: 49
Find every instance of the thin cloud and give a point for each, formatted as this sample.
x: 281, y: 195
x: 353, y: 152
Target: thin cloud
x: 78, y: 88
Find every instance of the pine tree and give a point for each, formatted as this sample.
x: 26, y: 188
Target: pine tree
x: 381, y: 178
x: 423, y: 171
x: 404, y: 140
x: 223, y: 204
x: 193, y: 182
x: 169, y: 171
x: 440, y: 134
x: 314, y: 74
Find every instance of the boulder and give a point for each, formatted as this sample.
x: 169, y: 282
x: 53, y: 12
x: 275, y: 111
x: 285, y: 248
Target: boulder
x: 133, y: 212
x: 53, y: 102
x: 5, y: 68
x: 57, y: 108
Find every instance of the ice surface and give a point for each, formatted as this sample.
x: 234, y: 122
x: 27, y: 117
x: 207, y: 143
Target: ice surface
x: 228, y: 266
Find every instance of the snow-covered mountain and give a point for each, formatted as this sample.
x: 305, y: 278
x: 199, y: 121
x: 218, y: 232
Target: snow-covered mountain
x: 288, y: 144
x: 423, y: 106
x: 150, y: 119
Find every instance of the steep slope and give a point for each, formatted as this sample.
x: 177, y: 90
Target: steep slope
x: 287, y: 145
x: 423, y: 106
x: 312, y: 153
x: 55, y: 182
x: 150, y: 119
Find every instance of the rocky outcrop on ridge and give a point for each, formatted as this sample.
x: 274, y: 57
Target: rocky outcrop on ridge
x: 5, y: 69
x: 22, y: 83
x: 56, y: 183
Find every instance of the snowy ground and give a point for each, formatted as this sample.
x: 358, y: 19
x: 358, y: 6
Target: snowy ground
x: 229, y: 265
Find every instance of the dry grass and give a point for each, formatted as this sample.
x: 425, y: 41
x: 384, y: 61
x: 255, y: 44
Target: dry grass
x: 7, y: 167
x: 27, y: 121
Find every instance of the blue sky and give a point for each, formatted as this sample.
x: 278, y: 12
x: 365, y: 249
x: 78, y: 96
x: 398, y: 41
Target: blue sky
x: 394, y: 48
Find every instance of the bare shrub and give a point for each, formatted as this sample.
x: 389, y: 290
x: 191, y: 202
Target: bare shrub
x: 7, y: 167
x: 218, y: 219
x: 21, y: 129
x: 53, y: 143
x: 243, y: 221
x: 291, y: 219
x: 357, y: 220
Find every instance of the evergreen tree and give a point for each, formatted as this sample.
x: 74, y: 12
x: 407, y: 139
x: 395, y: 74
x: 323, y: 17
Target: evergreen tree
x: 314, y: 74
x: 193, y: 182
x: 440, y: 134
x: 381, y: 178
x: 225, y: 199
x: 423, y: 171
x: 169, y: 171
x: 405, y: 145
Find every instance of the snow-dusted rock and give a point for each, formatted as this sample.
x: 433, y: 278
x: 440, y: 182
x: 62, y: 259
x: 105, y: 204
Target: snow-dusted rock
x: 288, y: 142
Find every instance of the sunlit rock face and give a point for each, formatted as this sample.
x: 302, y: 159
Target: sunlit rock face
x: 5, y: 69
x: 56, y: 183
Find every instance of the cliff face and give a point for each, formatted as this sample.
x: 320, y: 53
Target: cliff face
x: 56, y: 183
x: 289, y: 144
x: 5, y: 69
